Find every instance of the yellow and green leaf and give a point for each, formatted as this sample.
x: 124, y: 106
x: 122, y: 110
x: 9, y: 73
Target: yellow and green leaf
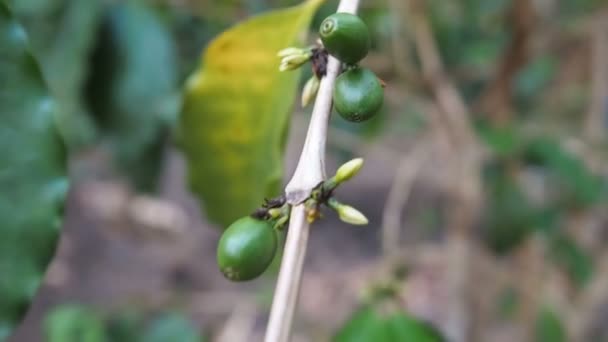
x: 236, y: 111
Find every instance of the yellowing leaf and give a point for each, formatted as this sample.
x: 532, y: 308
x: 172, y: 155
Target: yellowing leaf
x: 236, y: 110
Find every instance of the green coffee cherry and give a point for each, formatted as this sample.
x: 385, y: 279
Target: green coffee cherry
x: 358, y: 94
x: 246, y: 249
x: 346, y: 37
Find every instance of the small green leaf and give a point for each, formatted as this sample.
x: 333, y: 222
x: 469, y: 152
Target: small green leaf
x: 578, y: 186
x: 171, y: 327
x: 125, y: 326
x: 62, y: 36
x: 133, y: 90
x: 406, y: 328
x: 236, y: 111
x: 577, y: 262
x: 73, y: 323
x: 364, y: 325
x: 510, y: 216
x: 549, y: 327
x: 504, y: 141
x: 32, y: 174
x: 368, y: 324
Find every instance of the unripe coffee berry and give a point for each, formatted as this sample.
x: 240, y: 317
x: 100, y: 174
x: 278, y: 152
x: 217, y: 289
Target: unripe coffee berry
x: 346, y: 37
x: 246, y: 249
x: 358, y: 95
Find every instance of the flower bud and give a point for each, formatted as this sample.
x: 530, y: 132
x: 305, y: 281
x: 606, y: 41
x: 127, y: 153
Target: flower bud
x: 288, y: 51
x: 310, y: 90
x: 351, y: 215
x: 292, y: 58
x: 347, y: 213
x: 348, y: 170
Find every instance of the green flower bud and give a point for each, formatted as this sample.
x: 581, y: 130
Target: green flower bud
x: 347, y: 213
x: 310, y: 90
x: 289, y: 51
x: 348, y: 170
x: 293, y: 58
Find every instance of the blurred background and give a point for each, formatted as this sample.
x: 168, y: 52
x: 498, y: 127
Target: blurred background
x: 484, y: 182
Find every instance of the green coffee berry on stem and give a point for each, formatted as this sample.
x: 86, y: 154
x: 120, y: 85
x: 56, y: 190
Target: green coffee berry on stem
x: 358, y: 94
x: 246, y: 248
x: 346, y: 37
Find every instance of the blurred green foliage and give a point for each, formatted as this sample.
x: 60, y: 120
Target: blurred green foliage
x: 62, y: 36
x: 512, y: 213
x: 32, y: 177
x: 576, y: 261
x: 381, y: 317
x: 549, y: 327
x: 76, y: 323
x: 372, y: 323
x: 133, y: 90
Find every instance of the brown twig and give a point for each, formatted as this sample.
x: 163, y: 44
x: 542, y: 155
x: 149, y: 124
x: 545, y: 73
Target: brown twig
x: 402, y: 60
x: 496, y: 102
x: 584, y: 310
x: 466, y: 190
x: 594, y: 122
x: 398, y: 196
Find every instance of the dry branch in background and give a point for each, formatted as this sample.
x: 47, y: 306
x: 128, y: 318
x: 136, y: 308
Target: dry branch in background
x: 465, y: 192
x: 398, y: 195
x: 497, y: 100
x: 595, y: 120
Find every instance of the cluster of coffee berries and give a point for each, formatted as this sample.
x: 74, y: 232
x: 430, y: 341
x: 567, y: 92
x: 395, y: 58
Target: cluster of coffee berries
x: 358, y: 93
x: 248, y: 245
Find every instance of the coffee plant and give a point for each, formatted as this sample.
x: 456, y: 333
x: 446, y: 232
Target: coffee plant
x: 490, y: 114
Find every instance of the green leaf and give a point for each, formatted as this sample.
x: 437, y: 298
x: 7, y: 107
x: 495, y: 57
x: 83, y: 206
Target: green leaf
x: 368, y: 324
x: 62, y: 36
x: 406, y: 328
x: 549, y: 327
x: 171, y: 327
x: 73, y: 323
x: 125, y: 326
x: 534, y: 77
x: 364, y: 325
x: 32, y: 174
x: 32, y: 6
x: 133, y: 90
x: 576, y: 261
x: 578, y: 186
x: 236, y: 110
x: 509, y: 216
x: 504, y: 140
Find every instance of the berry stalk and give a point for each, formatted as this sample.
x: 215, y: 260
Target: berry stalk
x: 309, y: 173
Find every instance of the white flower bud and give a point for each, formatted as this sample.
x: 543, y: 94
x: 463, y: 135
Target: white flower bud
x: 310, y: 90
x: 292, y: 58
x: 351, y: 215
